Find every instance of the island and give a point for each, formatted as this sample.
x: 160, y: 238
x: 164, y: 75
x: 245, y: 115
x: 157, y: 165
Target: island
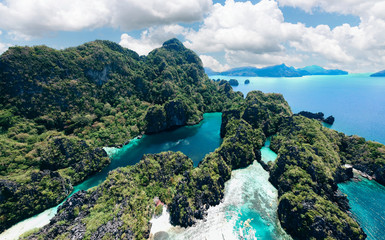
x: 277, y: 71
x: 379, y: 74
x: 234, y: 82
x: 60, y: 107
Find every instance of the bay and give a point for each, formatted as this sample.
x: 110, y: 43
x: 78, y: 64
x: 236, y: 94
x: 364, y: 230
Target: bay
x: 194, y: 141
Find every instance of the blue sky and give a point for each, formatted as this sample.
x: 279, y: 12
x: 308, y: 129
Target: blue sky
x: 341, y: 34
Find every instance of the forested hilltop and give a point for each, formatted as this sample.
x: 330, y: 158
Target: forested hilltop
x: 309, y: 166
x: 59, y: 107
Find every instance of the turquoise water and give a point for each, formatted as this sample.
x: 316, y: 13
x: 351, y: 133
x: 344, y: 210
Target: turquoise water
x: 367, y: 200
x: 249, y: 206
x: 267, y: 154
x: 248, y: 210
x: 357, y: 101
x: 194, y: 141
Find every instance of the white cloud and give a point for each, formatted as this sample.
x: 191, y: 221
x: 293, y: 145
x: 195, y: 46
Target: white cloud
x: 245, y: 58
x: 256, y: 35
x: 240, y: 26
x: 213, y: 64
x: 34, y: 18
x: 246, y: 33
x: 358, y: 48
x: 134, y: 14
x: 151, y: 38
x: 3, y: 47
x: 249, y: 34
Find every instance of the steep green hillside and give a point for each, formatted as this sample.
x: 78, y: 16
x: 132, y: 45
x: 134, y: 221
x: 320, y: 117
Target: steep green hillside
x: 122, y: 206
x: 304, y: 174
x: 59, y: 107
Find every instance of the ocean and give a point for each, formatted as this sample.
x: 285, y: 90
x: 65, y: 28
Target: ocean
x: 250, y: 202
x: 357, y: 101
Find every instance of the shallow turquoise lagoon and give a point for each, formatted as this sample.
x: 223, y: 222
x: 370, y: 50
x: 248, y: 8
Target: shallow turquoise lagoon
x: 194, y: 141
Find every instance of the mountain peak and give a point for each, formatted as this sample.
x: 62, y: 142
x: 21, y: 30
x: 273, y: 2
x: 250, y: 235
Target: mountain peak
x: 173, y: 44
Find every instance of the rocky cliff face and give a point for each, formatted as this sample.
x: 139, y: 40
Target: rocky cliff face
x: 125, y: 199
x: 306, y: 174
x: 47, y: 187
x: 59, y: 107
x: 44, y: 189
x: 172, y: 114
x: 366, y: 156
x: 317, y: 116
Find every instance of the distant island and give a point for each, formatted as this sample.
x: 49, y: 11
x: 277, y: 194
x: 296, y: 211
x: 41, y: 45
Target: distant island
x: 277, y: 71
x: 379, y: 74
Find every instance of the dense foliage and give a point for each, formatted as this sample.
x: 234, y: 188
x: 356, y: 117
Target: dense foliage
x: 126, y: 198
x: 123, y: 205
x: 366, y: 156
x: 304, y: 174
x: 57, y: 107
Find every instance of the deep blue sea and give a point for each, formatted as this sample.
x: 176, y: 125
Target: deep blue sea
x: 357, y: 101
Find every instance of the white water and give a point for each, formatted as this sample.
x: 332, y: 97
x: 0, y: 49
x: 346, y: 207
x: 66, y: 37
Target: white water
x: 248, y: 209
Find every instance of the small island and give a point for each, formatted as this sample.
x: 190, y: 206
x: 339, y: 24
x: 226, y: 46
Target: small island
x: 234, y: 82
x: 379, y: 74
x: 247, y: 81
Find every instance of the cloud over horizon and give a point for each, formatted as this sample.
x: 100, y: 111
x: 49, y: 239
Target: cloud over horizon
x: 231, y: 34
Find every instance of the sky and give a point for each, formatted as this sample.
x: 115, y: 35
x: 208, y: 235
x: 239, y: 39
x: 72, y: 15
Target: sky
x: 343, y: 34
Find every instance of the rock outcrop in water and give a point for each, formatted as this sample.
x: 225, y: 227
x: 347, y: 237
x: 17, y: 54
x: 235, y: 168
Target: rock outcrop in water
x: 317, y: 116
x: 233, y: 82
x: 366, y: 156
x: 97, y: 94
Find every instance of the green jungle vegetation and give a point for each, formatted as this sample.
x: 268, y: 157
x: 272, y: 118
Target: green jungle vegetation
x: 122, y: 206
x: 59, y: 107
x: 309, y: 166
